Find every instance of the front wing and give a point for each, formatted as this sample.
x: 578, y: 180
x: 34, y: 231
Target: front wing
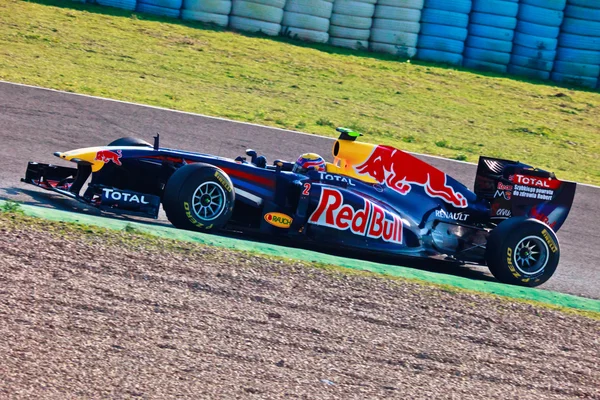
x: 69, y: 182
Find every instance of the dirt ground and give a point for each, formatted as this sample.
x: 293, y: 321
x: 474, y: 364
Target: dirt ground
x: 123, y: 316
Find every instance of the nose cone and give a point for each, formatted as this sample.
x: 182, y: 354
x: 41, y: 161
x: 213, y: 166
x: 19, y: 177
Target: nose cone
x: 59, y: 154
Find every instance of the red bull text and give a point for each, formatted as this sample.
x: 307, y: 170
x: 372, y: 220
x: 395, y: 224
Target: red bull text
x: 107, y: 156
x: 400, y: 170
x: 371, y: 221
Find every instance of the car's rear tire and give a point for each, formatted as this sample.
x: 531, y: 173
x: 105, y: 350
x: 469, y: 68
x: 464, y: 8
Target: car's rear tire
x: 199, y: 197
x: 522, y: 251
x: 130, y: 141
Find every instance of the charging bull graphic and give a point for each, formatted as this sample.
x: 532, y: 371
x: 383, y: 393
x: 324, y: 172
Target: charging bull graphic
x: 107, y: 156
x: 399, y: 171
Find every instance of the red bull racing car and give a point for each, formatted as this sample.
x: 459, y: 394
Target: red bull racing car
x: 377, y: 199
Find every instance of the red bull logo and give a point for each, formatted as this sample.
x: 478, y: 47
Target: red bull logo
x: 371, y: 221
x: 399, y: 171
x: 107, y: 156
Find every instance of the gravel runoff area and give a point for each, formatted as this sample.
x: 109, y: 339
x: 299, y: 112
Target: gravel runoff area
x: 89, y: 313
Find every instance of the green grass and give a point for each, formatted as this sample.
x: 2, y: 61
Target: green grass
x: 313, y: 88
x: 11, y: 207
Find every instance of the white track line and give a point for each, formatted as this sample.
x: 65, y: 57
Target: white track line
x: 227, y: 120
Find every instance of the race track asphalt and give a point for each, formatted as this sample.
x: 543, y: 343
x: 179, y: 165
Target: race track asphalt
x: 36, y: 122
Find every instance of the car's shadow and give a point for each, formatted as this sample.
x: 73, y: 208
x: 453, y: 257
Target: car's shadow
x: 56, y: 201
x: 429, y: 264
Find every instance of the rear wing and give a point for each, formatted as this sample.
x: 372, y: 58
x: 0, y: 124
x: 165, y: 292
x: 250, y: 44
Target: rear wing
x: 516, y: 189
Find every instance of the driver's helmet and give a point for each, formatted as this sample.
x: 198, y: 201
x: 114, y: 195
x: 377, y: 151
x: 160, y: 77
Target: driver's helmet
x: 307, y: 161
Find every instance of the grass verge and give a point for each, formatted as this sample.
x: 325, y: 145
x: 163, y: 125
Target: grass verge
x: 14, y: 216
x: 313, y: 88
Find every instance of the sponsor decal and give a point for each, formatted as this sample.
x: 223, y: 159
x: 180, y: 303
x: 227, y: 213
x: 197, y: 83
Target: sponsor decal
x: 533, y: 187
x: 511, y: 267
x: 371, y: 221
x: 503, y: 212
x: 223, y: 181
x: 546, y: 183
x: 126, y: 197
x: 533, y: 192
x: 336, y: 178
x: 107, y: 156
x: 502, y: 186
x: 550, y: 241
x: 278, y: 219
x: 457, y: 216
x: 186, y: 207
x: 500, y: 212
x: 400, y: 171
x: 505, y: 194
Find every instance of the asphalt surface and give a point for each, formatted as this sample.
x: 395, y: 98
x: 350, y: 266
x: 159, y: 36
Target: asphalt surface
x: 36, y: 122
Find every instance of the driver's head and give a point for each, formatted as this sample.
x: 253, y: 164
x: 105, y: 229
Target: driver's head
x: 307, y: 161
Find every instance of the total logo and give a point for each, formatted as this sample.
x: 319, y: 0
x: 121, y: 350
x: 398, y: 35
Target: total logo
x: 371, y: 221
x: 121, y: 196
x: 535, y: 181
x: 336, y: 178
x: 279, y: 220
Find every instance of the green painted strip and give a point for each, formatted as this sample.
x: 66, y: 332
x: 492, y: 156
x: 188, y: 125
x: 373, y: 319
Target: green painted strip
x: 543, y: 296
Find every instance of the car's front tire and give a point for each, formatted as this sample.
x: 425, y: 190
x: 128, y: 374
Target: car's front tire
x: 522, y: 251
x: 199, y: 197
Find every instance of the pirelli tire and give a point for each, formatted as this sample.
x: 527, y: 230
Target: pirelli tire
x: 199, y: 197
x: 522, y: 251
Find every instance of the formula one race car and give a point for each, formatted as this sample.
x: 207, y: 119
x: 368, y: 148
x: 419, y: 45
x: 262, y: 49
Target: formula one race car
x: 372, y: 198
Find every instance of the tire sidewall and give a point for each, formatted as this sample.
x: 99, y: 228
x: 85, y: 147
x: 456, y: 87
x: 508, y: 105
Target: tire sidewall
x: 502, y: 246
x: 179, y: 192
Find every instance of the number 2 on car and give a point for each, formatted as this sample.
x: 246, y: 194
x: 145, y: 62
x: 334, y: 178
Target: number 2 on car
x: 306, y: 190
